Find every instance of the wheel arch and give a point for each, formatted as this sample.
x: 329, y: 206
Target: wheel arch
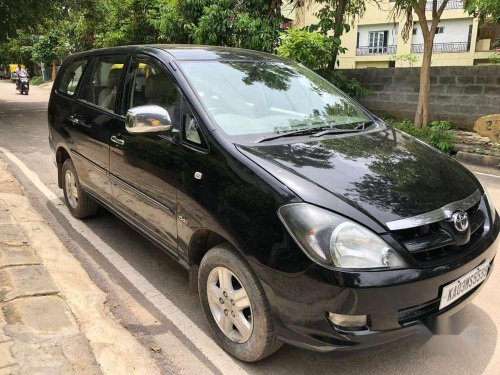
x: 202, y: 241
x: 62, y: 154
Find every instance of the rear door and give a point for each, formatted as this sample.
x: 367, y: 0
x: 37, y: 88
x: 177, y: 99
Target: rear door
x: 144, y: 168
x: 92, y: 121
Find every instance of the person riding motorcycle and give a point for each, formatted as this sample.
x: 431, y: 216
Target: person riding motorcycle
x: 20, y: 73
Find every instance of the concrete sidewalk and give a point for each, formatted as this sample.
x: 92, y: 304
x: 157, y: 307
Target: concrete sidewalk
x: 53, y: 318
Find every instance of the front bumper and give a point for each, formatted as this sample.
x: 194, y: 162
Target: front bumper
x: 397, y: 302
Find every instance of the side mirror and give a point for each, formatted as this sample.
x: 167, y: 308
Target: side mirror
x: 148, y: 119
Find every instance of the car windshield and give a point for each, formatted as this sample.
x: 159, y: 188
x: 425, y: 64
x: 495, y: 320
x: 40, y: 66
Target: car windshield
x: 256, y: 99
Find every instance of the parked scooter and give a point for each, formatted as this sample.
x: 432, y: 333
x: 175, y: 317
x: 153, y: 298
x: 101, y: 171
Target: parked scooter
x: 23, y: 85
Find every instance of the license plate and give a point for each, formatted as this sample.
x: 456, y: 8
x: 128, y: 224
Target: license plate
x: 467, y: 282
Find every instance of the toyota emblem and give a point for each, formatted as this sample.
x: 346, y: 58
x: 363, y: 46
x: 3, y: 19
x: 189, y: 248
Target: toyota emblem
x: 461, y: 221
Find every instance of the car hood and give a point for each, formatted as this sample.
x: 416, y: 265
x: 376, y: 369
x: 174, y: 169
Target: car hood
x: 387, y: 175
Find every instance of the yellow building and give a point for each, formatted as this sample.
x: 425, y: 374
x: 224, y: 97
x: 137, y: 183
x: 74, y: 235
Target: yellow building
x: 375, y: 40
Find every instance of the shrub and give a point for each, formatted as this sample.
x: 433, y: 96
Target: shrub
x: 437, y: 134
x: 350, y: 86
x: 36, y: 80
x: 312, y: 49
x: 308, y: 48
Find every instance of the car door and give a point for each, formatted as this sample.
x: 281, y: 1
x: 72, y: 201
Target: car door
x: 144, y: 168
x: 92, y: 121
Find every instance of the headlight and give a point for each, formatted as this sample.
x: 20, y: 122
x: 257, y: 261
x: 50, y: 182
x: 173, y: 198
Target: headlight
x: 333, y: 240
x: 491, y: 205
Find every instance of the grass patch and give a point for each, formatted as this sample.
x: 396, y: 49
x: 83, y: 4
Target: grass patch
x: 36, y: 80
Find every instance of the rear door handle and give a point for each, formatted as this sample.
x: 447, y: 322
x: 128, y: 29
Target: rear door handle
x: 117, y: 140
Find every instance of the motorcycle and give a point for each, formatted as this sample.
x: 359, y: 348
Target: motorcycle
x: 23, y: 85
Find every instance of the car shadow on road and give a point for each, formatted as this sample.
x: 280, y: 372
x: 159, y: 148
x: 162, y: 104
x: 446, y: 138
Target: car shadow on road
x: 468, y: 352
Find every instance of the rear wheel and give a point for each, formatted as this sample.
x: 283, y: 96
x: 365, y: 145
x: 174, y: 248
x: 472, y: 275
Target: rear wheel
x: 80, y: 204
x: 235, y: 305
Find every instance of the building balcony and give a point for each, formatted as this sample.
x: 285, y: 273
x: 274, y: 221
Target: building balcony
x: 367, y: 51
x: 452, y: 4
x: 452, y: 47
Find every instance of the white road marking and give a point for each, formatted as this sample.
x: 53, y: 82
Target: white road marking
x: 223, y: 361
x: 486, y: 174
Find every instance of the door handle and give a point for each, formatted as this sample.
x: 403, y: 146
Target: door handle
x: 73, y: 120
x: 117, y: 140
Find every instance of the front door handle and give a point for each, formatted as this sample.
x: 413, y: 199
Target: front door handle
x: 75, y: 121
x: 117, y: 140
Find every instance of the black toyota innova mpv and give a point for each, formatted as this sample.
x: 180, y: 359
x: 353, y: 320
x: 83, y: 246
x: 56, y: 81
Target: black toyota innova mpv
x: 305, y: 219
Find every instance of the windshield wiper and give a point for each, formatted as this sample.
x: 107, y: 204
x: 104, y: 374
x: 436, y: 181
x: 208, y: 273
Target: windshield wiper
x: 318, y: 132
x: 288, y: 134
x: 359, y: 128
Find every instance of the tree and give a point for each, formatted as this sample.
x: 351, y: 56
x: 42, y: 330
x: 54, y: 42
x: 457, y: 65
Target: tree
x: 485, y: 10
x: 49, y: 48
x: 235, y: 23
x: 25, y: 15
x: 334, y: 17
x: 406, y: 8
x: 309, y: 48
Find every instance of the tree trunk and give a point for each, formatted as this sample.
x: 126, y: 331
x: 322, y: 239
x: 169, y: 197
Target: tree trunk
x: 422, y: 113
x: 339, y: 29
x: 54, y: 70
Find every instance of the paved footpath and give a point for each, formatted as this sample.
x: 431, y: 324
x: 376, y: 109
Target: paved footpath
x: 53, y: 319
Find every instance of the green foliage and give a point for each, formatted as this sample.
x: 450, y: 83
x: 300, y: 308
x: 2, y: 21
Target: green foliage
x: 334, y: 17
x: 305, y: 47
x: 48, y: 48
x: 436, y: 133
x: 36, y: 80
x: 245, y: 24
x: 348, y: 85
x: 409, y: 58
x: 494, y: 58
x: 25, y: 14
x: 485, y: 10
x: 313, y: 50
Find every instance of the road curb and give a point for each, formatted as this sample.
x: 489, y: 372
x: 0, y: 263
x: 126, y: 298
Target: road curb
x: 55, y: 315
x: 477, y: 159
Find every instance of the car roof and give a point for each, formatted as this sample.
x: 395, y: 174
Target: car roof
x: 190, y: 52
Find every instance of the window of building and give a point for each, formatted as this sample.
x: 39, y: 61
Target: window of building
x: 71, y: 77
x: 102, y: 90
x: 414, y: 31
x: 440, y: 30
x: 377, y: 41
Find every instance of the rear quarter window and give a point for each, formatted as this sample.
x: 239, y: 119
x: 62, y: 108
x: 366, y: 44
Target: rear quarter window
x: 71, y: 77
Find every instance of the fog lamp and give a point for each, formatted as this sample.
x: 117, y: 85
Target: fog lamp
x: 348, y: 321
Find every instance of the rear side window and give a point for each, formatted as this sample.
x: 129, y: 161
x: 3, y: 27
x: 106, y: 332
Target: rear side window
x: 103, y: 86
x: 71, y: 77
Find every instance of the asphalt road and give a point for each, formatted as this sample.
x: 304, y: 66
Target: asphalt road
x: 180, y: 341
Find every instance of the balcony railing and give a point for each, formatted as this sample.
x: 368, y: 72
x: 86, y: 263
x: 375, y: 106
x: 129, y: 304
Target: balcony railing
x: 452, y: 47
x: 452, y: 4
x: 365, y: 51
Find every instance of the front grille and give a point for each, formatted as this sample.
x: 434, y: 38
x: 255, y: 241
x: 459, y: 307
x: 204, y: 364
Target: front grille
x: 432, y: 244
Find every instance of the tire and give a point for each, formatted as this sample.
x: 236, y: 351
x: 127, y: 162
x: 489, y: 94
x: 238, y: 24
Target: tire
x: 81, y: 205
x: 262, y: 341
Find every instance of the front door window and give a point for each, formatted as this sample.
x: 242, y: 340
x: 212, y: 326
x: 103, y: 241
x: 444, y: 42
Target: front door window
x: 152, y: 85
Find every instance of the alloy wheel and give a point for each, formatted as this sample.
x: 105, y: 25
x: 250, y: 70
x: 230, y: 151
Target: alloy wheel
x: 230, y: 304
x: 71, y: 188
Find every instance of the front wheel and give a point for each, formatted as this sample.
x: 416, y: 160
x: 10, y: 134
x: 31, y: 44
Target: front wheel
x: 235, y: 305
